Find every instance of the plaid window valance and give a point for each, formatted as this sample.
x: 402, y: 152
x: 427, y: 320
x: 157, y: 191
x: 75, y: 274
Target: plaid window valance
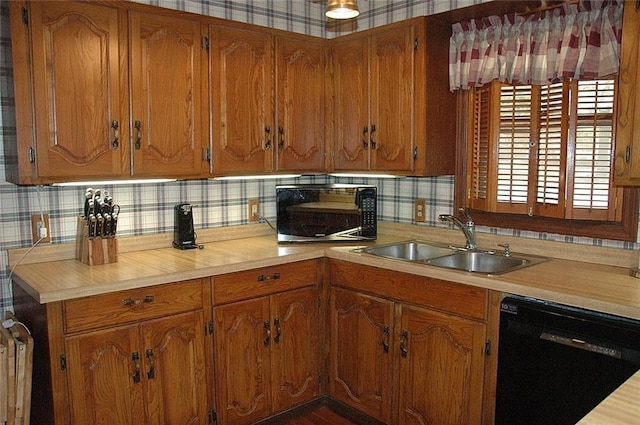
x: 577, y: 40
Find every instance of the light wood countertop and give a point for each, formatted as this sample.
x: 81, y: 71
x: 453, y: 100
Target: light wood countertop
x: 622, y: 407
x: 588, y: 277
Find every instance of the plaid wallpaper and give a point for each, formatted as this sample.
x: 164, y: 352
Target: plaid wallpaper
x: 148, y: 209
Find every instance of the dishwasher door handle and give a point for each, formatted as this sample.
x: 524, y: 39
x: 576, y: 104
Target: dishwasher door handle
x: 581, y: 344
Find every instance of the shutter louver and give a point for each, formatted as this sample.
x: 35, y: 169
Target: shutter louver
x: 544, y: 150
x: 594, y: 150
x: 513, y: 148
x: 554, y: 99
x: 480, y: 148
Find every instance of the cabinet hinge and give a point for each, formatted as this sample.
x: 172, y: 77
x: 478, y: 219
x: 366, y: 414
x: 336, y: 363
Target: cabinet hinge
x: 213, y: 416
x: 415, y: 43
x: 63, y: 362
x: 415, y: 153
x: 487, y: 347
x: 205, y: 43
x: 25, y: 16
x: 32, y: 155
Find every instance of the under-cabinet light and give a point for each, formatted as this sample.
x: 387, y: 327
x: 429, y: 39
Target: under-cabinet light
x: 259, y: 177
x: 113, y: 182
x: 369, y: 176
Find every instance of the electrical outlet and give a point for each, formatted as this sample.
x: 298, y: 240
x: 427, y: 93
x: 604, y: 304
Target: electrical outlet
x: 420, y: 210
x: 254, y: 210
x: 40, y: 229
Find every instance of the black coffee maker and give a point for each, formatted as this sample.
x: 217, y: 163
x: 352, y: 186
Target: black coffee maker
x: 184, y: 236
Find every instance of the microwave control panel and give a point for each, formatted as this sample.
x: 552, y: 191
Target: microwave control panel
x: 368, y: 206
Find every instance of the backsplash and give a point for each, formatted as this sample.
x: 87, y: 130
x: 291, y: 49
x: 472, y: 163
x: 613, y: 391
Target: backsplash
x: 148, y: 209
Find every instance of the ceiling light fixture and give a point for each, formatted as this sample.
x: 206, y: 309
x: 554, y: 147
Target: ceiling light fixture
x: 342, y: 9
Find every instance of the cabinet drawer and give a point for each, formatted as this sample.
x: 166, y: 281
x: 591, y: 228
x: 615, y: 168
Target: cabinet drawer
x: 264, y: 281
x: 133, y: 305
x: 452, y: 297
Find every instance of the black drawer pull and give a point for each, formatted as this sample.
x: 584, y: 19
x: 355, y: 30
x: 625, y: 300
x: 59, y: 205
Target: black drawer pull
x: 262, y: 278
x: 130, y: 301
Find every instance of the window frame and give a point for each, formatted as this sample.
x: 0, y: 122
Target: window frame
x: 624, y: 230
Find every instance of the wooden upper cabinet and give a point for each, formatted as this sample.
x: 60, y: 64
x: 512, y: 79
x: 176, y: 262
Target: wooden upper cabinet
x: 391, y: 132
x: 373, y: 101
x: 392, y: 111
x: 300, y: 100
x: 242, y: 95
x: 78, y: 102
x: 168, y: 96
x: 350, y: 87
x: 627, y: 159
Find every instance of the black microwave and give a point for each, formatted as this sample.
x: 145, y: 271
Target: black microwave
x: 336, y: 212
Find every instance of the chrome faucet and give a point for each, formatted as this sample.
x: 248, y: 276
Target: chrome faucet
x: 468, y: 228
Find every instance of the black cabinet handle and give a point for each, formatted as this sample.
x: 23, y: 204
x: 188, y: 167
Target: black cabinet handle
x: 267, y: 331
x: 151, y: 373
x: 136, y: 361
x: 404, y: 339
x: 276, y: 323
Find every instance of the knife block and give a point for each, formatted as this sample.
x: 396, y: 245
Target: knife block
x: 94, y: 251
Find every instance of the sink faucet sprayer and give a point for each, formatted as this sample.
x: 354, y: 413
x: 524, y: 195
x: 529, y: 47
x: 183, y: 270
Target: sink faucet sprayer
x: 467, y: 228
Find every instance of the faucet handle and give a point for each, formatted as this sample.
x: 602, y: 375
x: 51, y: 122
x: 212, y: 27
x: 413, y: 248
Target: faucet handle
x: 506, y: 252
x: 466, y: 215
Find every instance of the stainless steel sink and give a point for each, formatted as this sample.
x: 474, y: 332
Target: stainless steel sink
x: 410, y: 250
x: 484, y: 262
x: 442, y: 255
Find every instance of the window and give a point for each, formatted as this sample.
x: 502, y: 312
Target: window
x: 541, y: 158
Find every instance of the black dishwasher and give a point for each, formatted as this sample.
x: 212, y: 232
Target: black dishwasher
x: 556, y: 363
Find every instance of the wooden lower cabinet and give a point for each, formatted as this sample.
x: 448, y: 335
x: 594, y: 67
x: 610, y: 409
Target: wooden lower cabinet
x: 441, y: 366
x: 148, y: 373
x: 399, y: 356
x: 267, y: 355
x: 141, y: 356
x: 361, y: 353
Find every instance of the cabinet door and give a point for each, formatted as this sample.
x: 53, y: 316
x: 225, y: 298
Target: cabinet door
x: 391, y: 129
x: 174, y: 369
x: 295, y: 353
x: 441, y: 368
x: 242, y: 95
x: 169, y: 99
x: 79, y: 103
x: 361, y: 352
x: 351, y: 105
x: 300, y: 94
x: 243, y: 362
x: 105, y: 377
x: 627, y: 161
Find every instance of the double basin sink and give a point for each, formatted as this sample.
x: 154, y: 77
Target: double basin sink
x: 441, y: 255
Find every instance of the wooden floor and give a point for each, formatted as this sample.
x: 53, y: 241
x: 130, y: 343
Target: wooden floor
x: 321, y: 416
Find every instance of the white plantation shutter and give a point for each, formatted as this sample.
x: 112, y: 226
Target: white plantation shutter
x: 545, y: 150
